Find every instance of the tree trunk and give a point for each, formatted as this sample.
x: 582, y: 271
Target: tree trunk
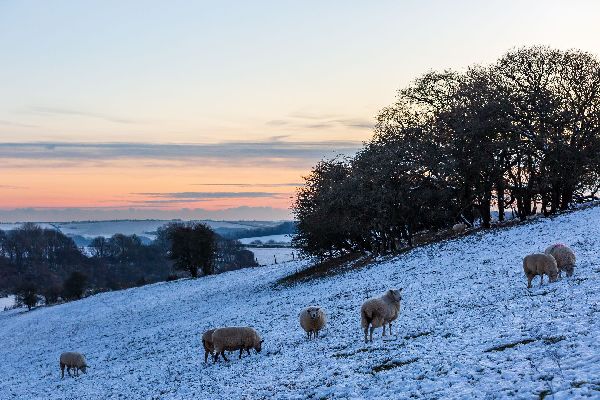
x: 500, y: 195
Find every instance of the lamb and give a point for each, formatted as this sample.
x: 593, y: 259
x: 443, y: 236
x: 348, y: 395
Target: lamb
x: 72, y: 360
x: 235, y: 338
x: 207, y: 343
x: 312, y: 320
x: 540, y: 264
x: 377, y: 312
x: 459, y: 228
x: 564, y: 256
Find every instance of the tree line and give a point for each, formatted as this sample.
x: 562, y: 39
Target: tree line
x: 44, y: 262
x: 521, y: 135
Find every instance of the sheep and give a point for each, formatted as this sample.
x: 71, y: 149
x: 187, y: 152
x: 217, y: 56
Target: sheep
x: 235, y: 338
x: 312, y: 320
x: 459, y: 228
x: 72, y: 360
x: 540, y: 264
x: 564, y: 256
x: 207, y: 343
x: 377, y: 312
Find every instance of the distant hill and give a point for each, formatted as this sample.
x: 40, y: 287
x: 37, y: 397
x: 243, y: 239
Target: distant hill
x: 83, y: 231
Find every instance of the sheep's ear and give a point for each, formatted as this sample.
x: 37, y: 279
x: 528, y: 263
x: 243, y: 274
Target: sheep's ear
x: 262, y: 340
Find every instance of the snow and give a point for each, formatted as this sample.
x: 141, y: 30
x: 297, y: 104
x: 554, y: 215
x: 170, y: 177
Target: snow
x: 268, y: 255
x: 7, y: 302
x: 465, y: 308
x: 264, y: 239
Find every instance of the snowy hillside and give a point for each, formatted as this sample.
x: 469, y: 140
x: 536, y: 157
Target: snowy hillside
x: 468, y: 328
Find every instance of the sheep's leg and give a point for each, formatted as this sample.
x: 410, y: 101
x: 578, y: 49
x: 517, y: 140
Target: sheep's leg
x: 541, y: 280
x: 371, y: 333
x: 383, y: 329
x: 366, y: 333
x: 216, y: 357
x: 69, y: 371
x: 223, y: 355
x: 248, y: 350
x: 205, y: 355
x: 529, y: 279
x: 316, y: 333
x: 241, y: 350
x: 390, y: 329
x: 62, y: 370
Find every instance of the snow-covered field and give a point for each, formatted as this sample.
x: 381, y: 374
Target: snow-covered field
x: 269, y: 255
x: 465, y: 310
x: 264, y: 239
x: 7, y: 302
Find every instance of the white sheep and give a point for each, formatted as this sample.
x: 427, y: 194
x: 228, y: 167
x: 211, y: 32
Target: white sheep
x: 73, y: 360
x: 377, y: 312
x: 459, y: 228
x: 564, y: 256
x: 207, y: 343
x: 235, y: 338
x: 312, y: 320
x: 539, y: 264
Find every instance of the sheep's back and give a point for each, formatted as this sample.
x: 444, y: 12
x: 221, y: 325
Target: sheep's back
x: 72, y: 359
x: 539, y: 264
x: 234, y: 338
x: 563, y: 255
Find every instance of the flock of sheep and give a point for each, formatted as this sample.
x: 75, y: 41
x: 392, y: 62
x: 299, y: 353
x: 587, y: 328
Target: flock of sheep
x: 374, y: 313
x: 551, y: 262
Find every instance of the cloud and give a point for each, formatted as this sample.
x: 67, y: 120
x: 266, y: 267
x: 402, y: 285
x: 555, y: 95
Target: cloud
x: 289, y: 184
x: 11, y: 187
x: 322, y: 121
x: 274, y: 151
x: 78, y: 113
x: 17, y: 124
x: 209, y: 195
x: 68, y: 214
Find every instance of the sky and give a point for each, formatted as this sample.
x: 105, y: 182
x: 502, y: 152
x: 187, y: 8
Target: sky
x: 203, y: 109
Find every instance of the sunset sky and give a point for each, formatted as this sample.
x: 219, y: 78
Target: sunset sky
x: 148, y: 109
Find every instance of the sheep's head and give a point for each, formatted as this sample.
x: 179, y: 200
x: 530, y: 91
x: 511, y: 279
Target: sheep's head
x: 83, y: 368
x: 569, y: 269
x: 258, y: 347
x: 313, y: 313
x: 396, y: 294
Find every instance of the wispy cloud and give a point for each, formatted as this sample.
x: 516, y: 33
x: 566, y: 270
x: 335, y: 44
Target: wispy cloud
x: 321, y: 121
x: 11, y: 187
x: 79, y: 113
x: 289, y: 184
x: 209, y: 195
x: 16, y: 124
x: 273, y: 151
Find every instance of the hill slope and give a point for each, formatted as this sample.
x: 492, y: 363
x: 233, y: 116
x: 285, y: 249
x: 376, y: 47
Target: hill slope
x: 468, y: 328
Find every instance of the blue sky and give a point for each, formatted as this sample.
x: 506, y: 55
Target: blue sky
x: 286, y: 82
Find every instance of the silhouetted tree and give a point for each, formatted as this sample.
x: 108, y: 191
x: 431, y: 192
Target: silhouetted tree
x: 74, y: 286
x: 193, y: 247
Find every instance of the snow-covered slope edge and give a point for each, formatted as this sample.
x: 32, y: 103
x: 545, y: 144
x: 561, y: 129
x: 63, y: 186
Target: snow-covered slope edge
x: 464, y: 312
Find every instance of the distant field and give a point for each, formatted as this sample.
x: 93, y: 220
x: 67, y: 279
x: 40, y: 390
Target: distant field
x: 264, y: 239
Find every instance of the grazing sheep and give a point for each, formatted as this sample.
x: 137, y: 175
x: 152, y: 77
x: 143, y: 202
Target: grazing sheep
x: 379, y: 311
x: 564, y: 256
x: 540, y: 264
x: 72, y: 360
x: 459, y: 228
x: 207, y: 343
x: 312, y: 320
x: 235, y: 338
